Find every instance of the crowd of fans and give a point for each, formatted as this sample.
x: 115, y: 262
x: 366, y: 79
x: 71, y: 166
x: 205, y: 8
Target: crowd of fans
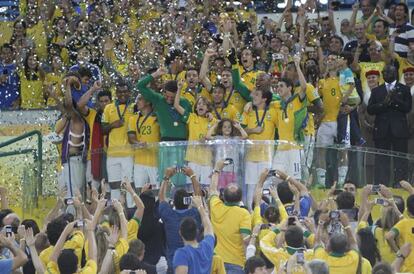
x: 126, y: 75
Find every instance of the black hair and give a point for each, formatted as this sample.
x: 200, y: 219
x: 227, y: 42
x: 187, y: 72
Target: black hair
x: 382, y: 268
x: 54, y: 229
x: 84, y: 72
x: 338, y: 243
x: 284, y: 193
x: 385, y: 23
x: 67, y: 261
x: 252, y: 263
x: 129, y: 261
x: 188, y: 229
x: 272, y: 214
x: 294, y: 236
x: 368, y: 246
x: 104, y: 93
x: 406, y: 11
x: 30, y: 75
x: 266, y: 94
x: 348, y: 57
x: 288, y: 84
x: 172, y: 55
x: 221, y: 86
x: 171, y: 86
x: 136, y: 247
x: 7, y: 46
x: 234, y: 130
x: 30, y: 223
x: 410, y: 204
x: 351, y: 182
x: 232, y: 196
x: 339, y: 38
x: 345, y: 200
x: 179, y: 198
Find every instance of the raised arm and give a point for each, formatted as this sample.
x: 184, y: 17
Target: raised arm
x: 30, y: 242
x: 147, y: 93
x: 62, y: 239
x: 194, y: 181
x: 351, y: 238
x: 139, y: 212
x: 122, y: 219
x: 177, y: 98
x: 83, y: 101
x: 243, y: 133
x: 302, y: 80
x: 205, y: 68
x: 215, y: 177
x: 352, y: 21
x: 211, y: 132
x: 208, y: 227
x: 90, y: 236
x: 169, y: 172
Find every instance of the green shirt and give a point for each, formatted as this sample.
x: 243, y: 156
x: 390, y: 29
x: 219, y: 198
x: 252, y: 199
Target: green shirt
x: 170, y: 121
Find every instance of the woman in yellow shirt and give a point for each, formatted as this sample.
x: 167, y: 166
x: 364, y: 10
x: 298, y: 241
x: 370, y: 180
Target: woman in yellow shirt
x: 31, y: 83
x: 199, y: 157
x: 53, y: 82
x: 59, y: 36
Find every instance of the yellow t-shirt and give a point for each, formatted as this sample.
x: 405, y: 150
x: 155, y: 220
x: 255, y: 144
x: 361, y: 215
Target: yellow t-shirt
x: 338, y: 263
x: 331, y: 95
x: 367, y: 66
x: 31, y: 92
x: 148, y: 132
x: 403, y: 64
x: 75, y: 242
x: 311, y: 95
x: 387, y: 254
x: 177, y: 77
x: 193, y: 95
x: 64, y: 53
x: 404, y: 231
x: 56, y: 81
x: 229, y: 112
x: 286, y: 121
x: 118, y: 145
x: 38, y: 34
x: 261, y: 152
x: 279, y: 256
x: 249, y: 77
x: 133, y: 228
x: 90, y: 119
x: 229, y: 222
x: 90, y: 268
x: 233, y: 98
x: 217, y: 266
x: 197, y: 130
x: 257, y: 219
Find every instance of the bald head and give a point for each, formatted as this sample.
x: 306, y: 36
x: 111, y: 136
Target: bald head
x: 232, y: 193
x: 11, y: 219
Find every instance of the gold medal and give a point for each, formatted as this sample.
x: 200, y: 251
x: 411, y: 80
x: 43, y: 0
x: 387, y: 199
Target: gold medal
x: 176, y: 124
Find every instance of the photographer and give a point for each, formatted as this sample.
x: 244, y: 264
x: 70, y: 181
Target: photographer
x: 9, y: 265
x: 172, y: 216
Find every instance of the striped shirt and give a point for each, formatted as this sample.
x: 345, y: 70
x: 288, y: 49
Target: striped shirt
x: 406, y: 36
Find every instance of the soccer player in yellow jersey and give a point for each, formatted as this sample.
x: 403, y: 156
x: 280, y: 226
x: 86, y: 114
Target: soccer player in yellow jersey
x: 221, y: 108
x: 143, y: 134
x: 260, y: 124
x: 291, y: 119
x: 192, y: 89
x: 402, y: 233
x: 247, y: 71
x: 330, y: 92
x: 115, y: 124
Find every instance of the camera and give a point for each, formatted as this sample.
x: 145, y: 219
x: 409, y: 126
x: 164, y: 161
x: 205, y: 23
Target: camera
x: 376, y: 188
x: 68, y: 201
x: 228, y: 161
x: 79, y: 223
x: 300, y: 257
x: 291, y: 220
x: 179, y: 169
x: 272, y: 173
x: 187, y: 200
x: 334, y: 215
x: 109, y: 202
x: 264, y: 226
x: 266, y: 192
x: 381, y: 201
x: 9, y: 230
x: 277, y: 56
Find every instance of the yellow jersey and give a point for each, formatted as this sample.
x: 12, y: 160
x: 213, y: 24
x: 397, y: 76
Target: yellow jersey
x: 147, y: 130
x: 217, y: 266
x: 118, y: 145
x: 331, y: 94
x: 367, y: 66
x: 76, y: 242
x: 338, y: 263
x: 193, y: 95
x: 249, y: 77
x: 197, y: 130
x: 403, y: 64
x: 64, y: 53
x: 177, y: 77
x: 31, y: 92
x: 55, y: 80
x: 311, y: 95
x: 89, y: 268
x: 387, y: 254
x: 230, y: 222
x: 279, y: 256
x: 228, y: 112
x: 285, y: 120
x: 404, y: 231
x: 38, y: 34
x: 234, y: 98
x: 267, y: 119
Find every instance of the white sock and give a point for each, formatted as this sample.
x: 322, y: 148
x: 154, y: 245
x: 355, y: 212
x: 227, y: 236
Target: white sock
x: 320, y: 174
x: 342, y: 171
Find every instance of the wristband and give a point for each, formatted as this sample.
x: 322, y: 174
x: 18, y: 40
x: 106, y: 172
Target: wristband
x: 347, y: 227
x: 400, y: 255
x: 321, y: 222
x: 216, y: 171
x: 192, y: 176
x: 111, y: 247
x: 287, y: 179
x: 254, y: 235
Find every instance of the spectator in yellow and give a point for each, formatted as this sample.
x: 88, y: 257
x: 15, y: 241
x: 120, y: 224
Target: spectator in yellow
x: 31, y: 83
